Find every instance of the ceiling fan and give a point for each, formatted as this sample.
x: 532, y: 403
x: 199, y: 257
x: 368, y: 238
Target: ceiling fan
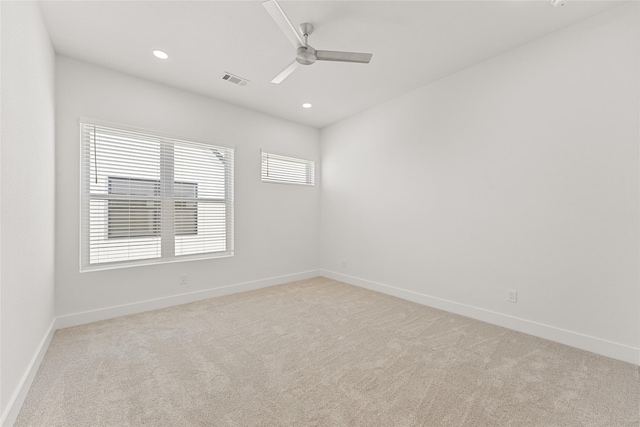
x: 306, y: 55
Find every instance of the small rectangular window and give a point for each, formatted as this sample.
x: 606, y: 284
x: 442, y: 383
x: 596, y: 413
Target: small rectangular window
x: 289, y: 170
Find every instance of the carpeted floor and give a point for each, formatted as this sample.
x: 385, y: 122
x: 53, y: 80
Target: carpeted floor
x: 321, y: 353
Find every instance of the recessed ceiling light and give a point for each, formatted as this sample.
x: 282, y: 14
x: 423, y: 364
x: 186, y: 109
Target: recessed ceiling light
x: 160, y: 54
x: 306, y: 105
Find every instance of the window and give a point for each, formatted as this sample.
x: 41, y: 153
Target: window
x: 150, y: 198
x: 288, y: 170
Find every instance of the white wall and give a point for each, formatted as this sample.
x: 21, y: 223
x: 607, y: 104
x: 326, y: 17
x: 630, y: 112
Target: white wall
x: 520, y: 172
x: 27, y: 189
x: 276, y: 226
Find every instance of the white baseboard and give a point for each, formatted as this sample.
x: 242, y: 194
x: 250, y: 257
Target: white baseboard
x: 15, y: 404
x: 574, y: 339
x: 76, y: 319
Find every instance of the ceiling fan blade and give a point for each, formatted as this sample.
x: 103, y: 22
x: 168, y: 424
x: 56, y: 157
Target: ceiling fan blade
x: 285, y: 73
x: 283, y: 22
x: 330, y: 55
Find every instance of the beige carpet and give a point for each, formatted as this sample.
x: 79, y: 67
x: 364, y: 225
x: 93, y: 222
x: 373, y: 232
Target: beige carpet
x: 321, y: 353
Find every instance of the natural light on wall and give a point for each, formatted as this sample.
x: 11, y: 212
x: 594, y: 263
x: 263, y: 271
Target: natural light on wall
x: 289, y: 170
x: 149, y: 198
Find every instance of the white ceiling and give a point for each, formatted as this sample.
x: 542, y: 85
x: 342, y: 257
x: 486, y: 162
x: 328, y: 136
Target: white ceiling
x: 413, y: 43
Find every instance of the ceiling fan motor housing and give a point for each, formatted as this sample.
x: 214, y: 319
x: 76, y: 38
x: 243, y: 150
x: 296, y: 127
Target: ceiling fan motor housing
x: 306, y: 55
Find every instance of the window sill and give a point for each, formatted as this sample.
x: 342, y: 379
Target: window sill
x: 154, y: 261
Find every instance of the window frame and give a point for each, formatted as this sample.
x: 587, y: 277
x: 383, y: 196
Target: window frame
x: 166, y: 256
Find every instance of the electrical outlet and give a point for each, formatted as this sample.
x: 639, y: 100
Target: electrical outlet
x: 184, y: 279
x: 512, y: 295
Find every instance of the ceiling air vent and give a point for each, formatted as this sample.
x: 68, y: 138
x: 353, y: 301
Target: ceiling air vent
x: 235, y: 79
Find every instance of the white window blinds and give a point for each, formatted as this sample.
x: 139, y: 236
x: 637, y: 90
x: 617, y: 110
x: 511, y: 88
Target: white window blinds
x: 288, y: 170
x: 149, y: 198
